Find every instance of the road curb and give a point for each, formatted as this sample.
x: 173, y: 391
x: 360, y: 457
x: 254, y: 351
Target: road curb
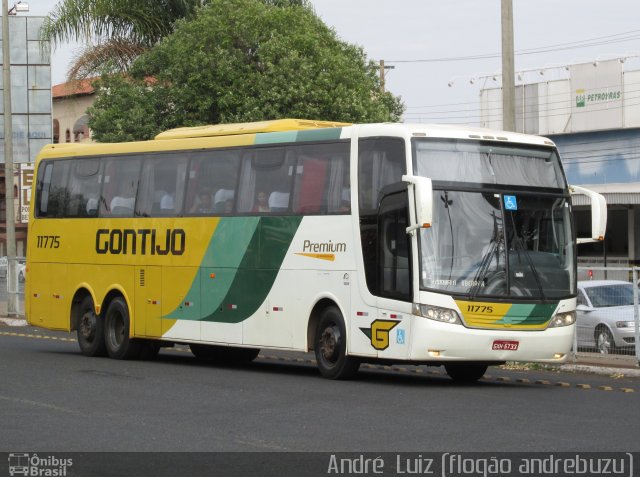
x: 583, y: 368
x: 13, y: 321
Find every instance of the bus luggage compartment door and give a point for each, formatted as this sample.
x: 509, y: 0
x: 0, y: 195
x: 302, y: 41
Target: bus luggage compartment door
x: 148, y: 307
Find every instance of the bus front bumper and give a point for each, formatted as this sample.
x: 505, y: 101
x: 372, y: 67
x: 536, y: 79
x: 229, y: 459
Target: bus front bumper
x: 436, y: 341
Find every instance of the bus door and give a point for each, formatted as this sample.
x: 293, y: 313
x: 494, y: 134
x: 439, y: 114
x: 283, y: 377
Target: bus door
x: 390, y: 332
x: 148, y: 308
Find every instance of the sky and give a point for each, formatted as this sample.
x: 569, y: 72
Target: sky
x: 405, y: 33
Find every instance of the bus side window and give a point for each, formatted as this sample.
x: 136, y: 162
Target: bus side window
x: 42, y: 188
x: 322, y: 179
x: 163, y: 184
x: 214, y: 173
x: 381, y: 161
x: 84, y: 188
x: 393, y: 257
x: 119, y: 186
x: 266, y: 172
x: 53, y: 195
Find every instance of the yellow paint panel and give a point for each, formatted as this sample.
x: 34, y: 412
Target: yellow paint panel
x: 487, y: 315
x: 247, y: 128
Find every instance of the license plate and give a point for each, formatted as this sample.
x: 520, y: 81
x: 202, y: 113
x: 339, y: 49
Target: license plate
x: 503, y: 345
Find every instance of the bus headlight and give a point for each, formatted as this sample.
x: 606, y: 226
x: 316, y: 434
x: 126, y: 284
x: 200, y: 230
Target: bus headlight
x: 446, y: 315
x: 563, y: 319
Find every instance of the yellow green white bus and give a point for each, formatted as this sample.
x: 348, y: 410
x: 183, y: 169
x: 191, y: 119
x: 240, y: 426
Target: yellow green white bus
x: 363, y: 243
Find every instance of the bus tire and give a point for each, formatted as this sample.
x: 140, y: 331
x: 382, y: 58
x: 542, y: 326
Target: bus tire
x: 465, y: 372
x: 223, y: 354
x: 90, y: 330
x: 330, y: 346
x: 116, y: 332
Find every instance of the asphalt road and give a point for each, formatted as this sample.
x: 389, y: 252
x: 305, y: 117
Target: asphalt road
x: 53, y: 398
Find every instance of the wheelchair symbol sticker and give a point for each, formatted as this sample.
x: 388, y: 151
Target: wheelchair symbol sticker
x: 510, y: 202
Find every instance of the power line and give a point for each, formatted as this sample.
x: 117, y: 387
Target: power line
x: 598, y: 41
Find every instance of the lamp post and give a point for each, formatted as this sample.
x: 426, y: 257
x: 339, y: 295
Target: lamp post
x: 12, y: 292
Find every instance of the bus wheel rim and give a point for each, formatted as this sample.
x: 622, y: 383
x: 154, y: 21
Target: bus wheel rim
x: 329, y: 343
x: 88, y: 326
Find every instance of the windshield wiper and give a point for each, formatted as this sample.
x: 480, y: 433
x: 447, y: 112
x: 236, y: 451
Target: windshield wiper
x: 447, y: 204
x: 521, y: 246
x: 497, y: 239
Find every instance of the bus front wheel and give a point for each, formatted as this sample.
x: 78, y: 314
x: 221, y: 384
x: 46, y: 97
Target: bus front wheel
x: 119, y: 344
x: 330, y: 346
x: 90, y: 330
x: 465, y: 372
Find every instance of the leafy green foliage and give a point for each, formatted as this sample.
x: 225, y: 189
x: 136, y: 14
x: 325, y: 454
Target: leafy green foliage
x: 238, y: 61
x: 116, y: 30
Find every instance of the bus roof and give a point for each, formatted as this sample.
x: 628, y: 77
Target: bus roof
x: 240, y: 134
x: 277, y: 125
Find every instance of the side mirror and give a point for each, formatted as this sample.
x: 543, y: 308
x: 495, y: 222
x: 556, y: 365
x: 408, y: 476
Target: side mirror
x: 584, y: 308
x: 598, y: 214
x: 423, y: 194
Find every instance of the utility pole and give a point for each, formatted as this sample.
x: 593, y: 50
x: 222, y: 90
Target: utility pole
x: 12, y: 293
x: 382, y: 69
x: 508, y: 69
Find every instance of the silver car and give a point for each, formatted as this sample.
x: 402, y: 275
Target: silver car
x: 605, y: 316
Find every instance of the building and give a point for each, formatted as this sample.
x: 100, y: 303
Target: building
x: 592, y: 112
x: 70, y: 103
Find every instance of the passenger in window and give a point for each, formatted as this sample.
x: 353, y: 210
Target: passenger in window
x: 228, y: 206
x: 203, y: 203
x: 124, y: 202
x: 262, y: 204
x: 166, y: 203
x: 92, y: 206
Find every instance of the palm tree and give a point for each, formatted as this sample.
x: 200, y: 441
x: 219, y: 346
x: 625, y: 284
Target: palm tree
x: 115, y: 32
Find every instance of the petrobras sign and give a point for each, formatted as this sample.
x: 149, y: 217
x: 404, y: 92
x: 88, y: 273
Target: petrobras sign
x: 583, y: 97
x: 597, y: 96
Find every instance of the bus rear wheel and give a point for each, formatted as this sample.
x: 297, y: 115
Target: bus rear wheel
x: 465, y: 372
x: 330, y: 346
x: 223, y: 354
x: 90, y: 330
x: 119, y: 344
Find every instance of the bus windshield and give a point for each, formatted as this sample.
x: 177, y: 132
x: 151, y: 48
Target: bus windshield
x: 487, y: 240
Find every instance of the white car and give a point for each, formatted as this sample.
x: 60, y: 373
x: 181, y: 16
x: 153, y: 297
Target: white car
x: 605, y: 316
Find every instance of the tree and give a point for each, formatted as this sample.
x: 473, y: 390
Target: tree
x: 114, y: 31
x: 243, y: 60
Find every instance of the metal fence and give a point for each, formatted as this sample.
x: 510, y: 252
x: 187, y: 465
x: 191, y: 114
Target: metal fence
x: 607, y: 323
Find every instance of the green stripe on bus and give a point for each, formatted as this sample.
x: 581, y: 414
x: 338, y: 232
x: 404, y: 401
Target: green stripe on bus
x: 258, y: 270
x: 226, y: 250
x: 528, y: 314
x: 276, y: 137
x: 325, y: 134
x: 245, y: 254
